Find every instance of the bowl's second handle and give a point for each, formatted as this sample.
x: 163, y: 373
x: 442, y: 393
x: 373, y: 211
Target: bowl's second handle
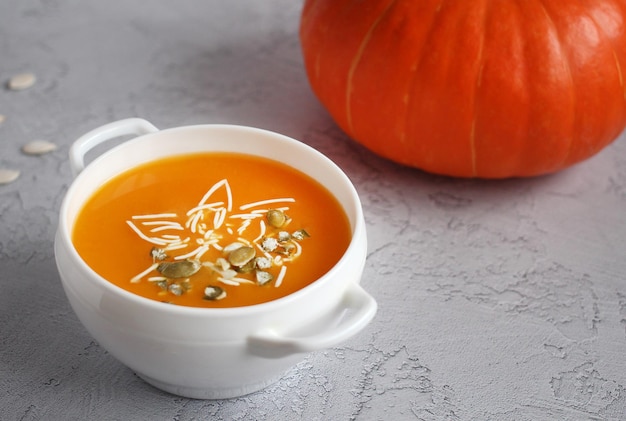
x: 129, y: 126
x: 355, y: 311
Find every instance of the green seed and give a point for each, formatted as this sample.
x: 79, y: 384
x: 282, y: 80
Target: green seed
x: 276, y: 218
x: 241, y: 256
x: 182, y: 269
x: 213, y: 292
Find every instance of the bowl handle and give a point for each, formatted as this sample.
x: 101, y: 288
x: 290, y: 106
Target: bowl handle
x: 129, y: 126
x: 352, y: 314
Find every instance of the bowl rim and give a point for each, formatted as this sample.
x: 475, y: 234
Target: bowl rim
x: 358, y: 239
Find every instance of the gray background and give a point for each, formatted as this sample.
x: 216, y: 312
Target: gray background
x: 498, y: 300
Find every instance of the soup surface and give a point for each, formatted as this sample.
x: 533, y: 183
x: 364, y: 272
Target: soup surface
x: 212, y: 230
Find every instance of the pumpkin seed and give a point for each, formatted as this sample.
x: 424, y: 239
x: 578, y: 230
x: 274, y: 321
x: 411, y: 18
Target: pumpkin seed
x: 263, y: 277
x: 175, y: 289
x: 287, y: 249
x: 248, y: 267
x: 38, y: 147
x: 241, y: 256
x: 22, y: 81
x: 238, y: 263
x: 157, y: 254
x: 8, y: 176
x: 213, y: 292
x: 276, y: 218
x: 300, y: 235
x: 284, y: 236
x: 182, y: 269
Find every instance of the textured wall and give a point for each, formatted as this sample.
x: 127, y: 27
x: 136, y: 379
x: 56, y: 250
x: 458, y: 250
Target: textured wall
x: 497, y: 300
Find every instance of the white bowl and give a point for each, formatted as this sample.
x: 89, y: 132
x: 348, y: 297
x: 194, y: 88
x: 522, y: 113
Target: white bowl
x: 211, y: 353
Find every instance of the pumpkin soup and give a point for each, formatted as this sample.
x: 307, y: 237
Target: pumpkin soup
x: 212, y: 230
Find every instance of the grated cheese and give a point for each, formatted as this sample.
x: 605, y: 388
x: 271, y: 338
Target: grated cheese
x: 155, y: 215
x: 138, y: 277
x: 231, y: 281
x: 264, y: 211
x: 203, y: 250
x: 281, y: 276
x: 194, y: 221
x: 262, y: 233
x: 266, y: 202
x: 218, y: 218
x: 200, y: 249
x: 213, y: 189
x: 210, y: 206
x: 244, y: 240
x: 171, y: 237
x: 176, y: 246
x: 244, y: 226
x: 145, y: 237
x: 246, y: 215
x: 274, y: 247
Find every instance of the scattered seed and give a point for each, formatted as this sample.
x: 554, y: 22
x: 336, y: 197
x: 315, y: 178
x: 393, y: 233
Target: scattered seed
x: 157, y: 254
x: 38, y: 147
x: 248, y: 267
x: 241, y: 256
x: 8, y: 176
x: 238, y: 263
x: 300, y: 235
x: 213, y: 292
x: 182, y: 269
x: 22, y: 81
x: 276, y: 218
x: 175, y: 289
x: 287, y: 249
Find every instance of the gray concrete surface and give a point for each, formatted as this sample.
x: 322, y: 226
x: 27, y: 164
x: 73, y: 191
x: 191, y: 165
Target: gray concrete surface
x: 498, y: 300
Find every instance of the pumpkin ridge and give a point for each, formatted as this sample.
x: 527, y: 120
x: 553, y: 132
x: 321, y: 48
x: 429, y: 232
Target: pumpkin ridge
x: 618, y: 66
x: 572, y: 83
x: 569, y: 157
x: 413, y: 79
x: 488, y: 89
x: 610, y: 39
x: 479, y: 59
x: 355, y: 62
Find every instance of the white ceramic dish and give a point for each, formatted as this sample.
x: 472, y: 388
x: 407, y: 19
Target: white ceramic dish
x: 210, y: 353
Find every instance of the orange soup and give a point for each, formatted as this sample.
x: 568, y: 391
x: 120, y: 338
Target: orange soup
x: 212, y: 230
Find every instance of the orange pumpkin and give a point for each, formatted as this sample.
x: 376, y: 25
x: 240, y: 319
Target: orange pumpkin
x: 471, y: 88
